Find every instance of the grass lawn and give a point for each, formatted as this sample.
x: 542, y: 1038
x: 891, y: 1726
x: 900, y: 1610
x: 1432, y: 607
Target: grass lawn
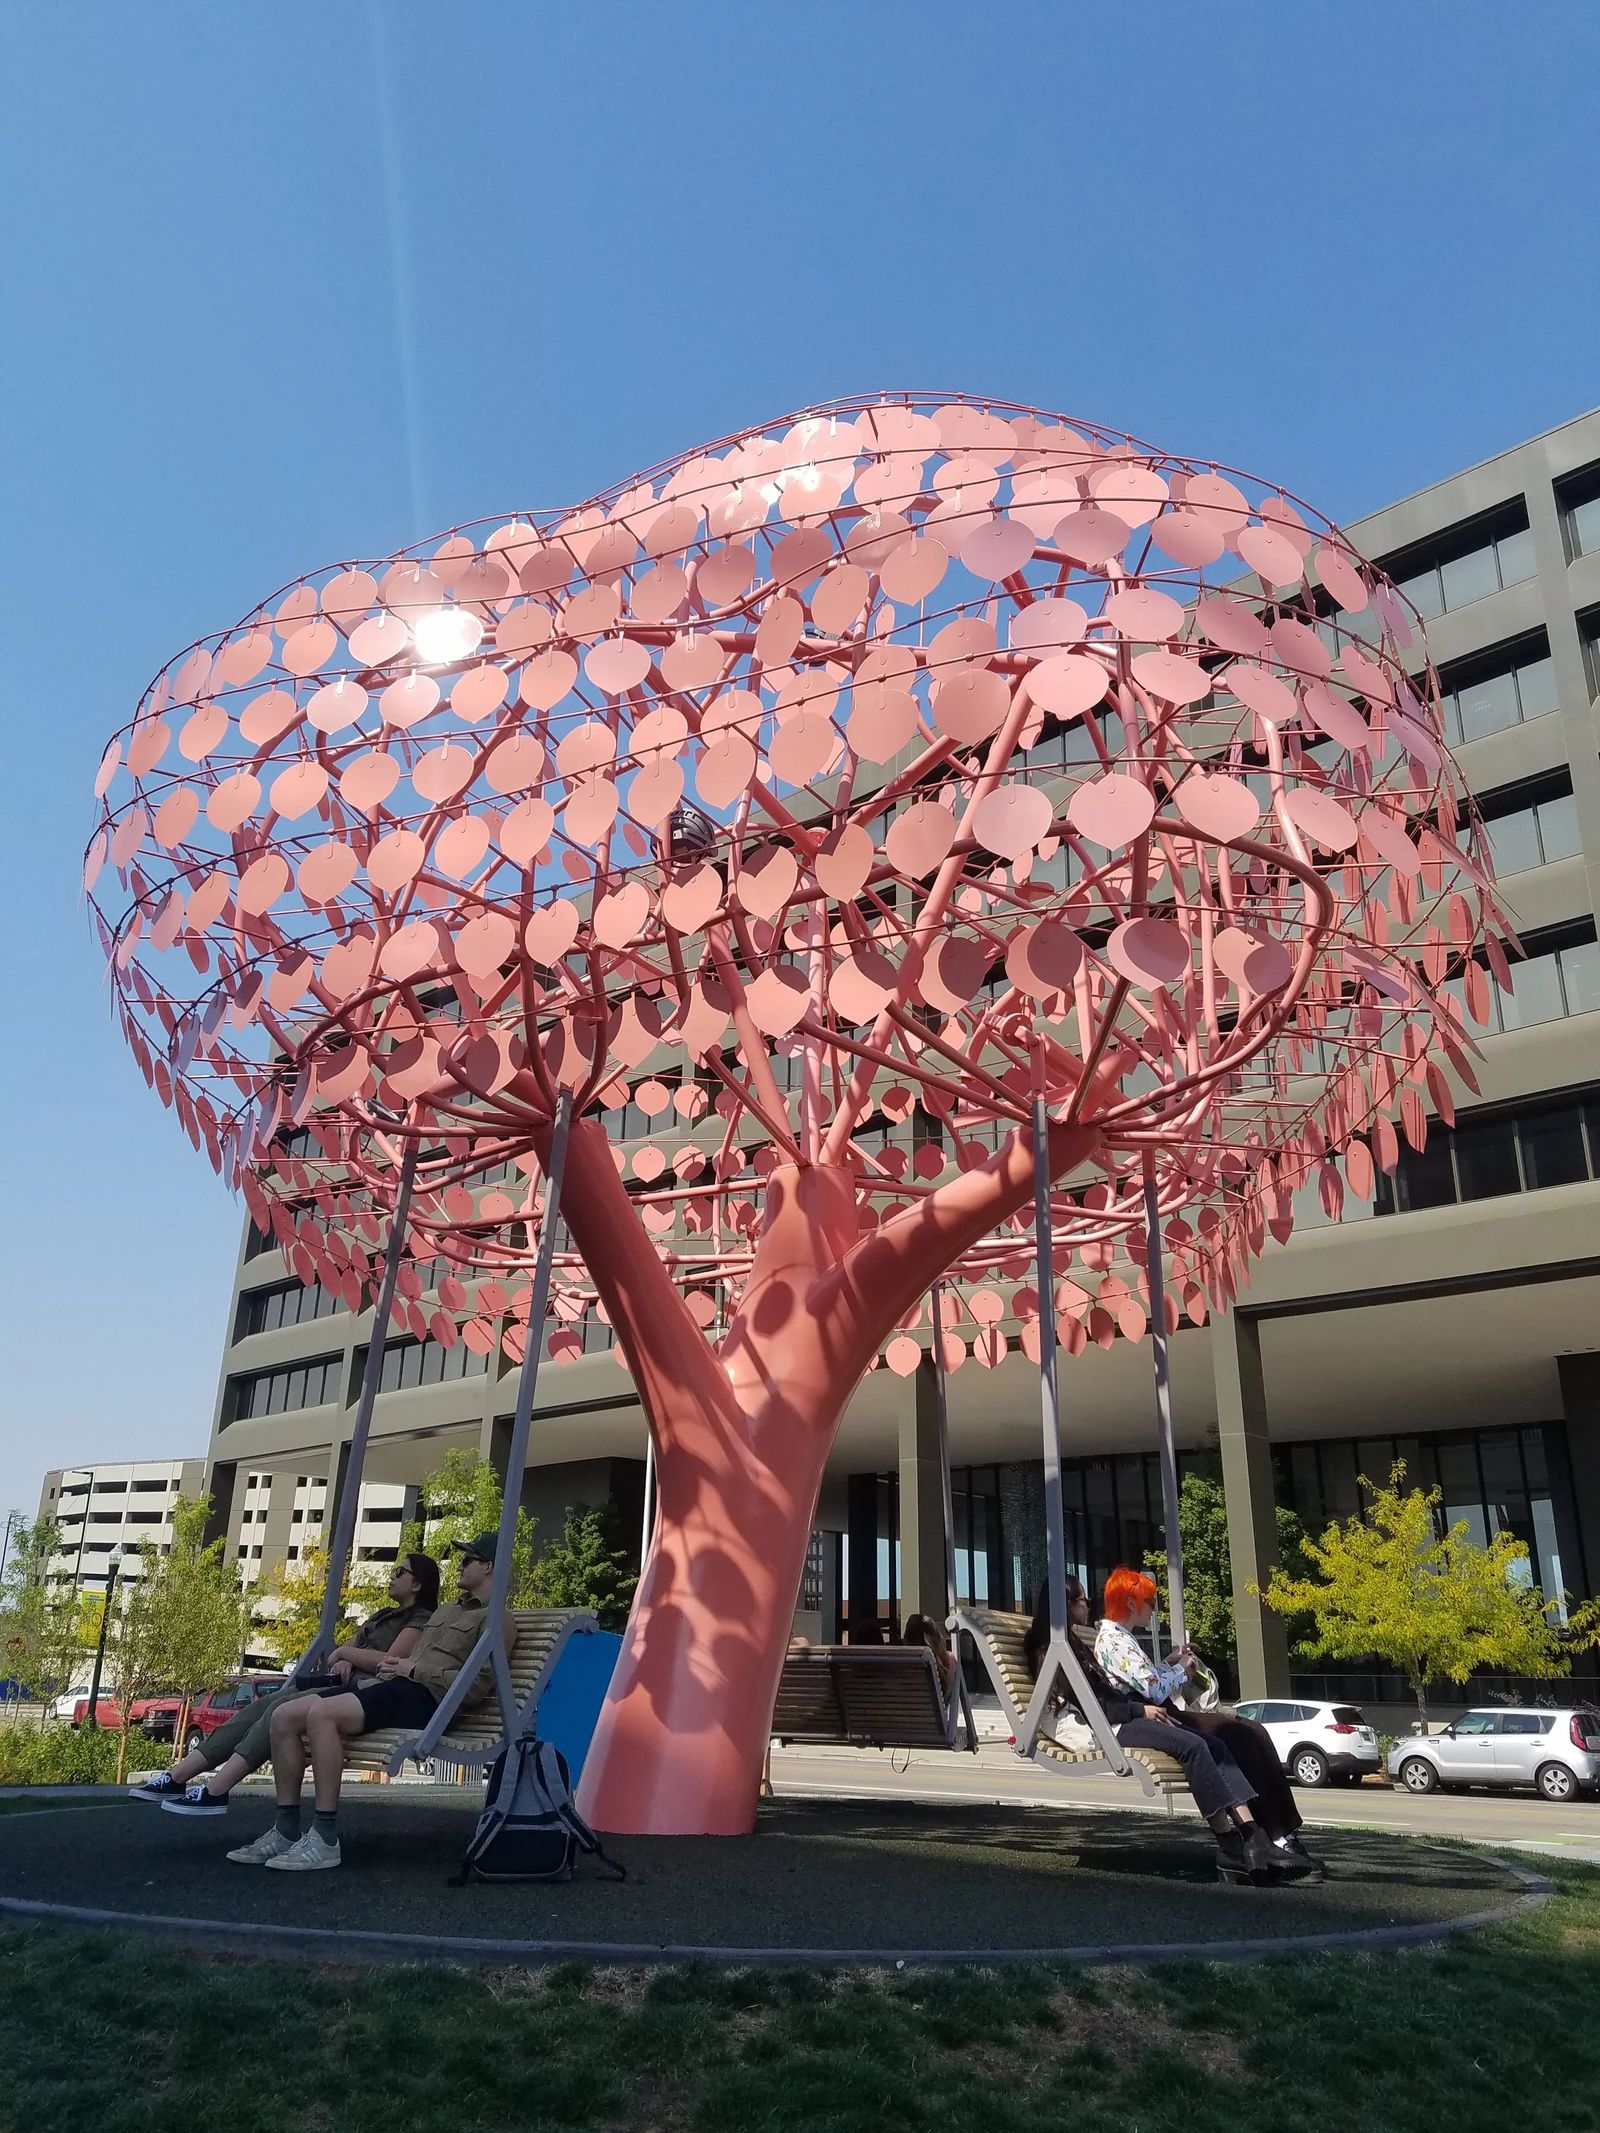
x: 100, y: 2031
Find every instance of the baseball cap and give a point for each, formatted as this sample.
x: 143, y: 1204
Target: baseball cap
x: 482, y: 1547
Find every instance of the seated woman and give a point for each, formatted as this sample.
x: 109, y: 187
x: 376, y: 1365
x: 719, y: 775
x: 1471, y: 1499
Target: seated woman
x: 199, y: 1783
x: 923, y: 1630
x: 1222, y: 1792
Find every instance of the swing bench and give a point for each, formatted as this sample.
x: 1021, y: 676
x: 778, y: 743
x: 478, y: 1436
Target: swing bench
x: 1025, y: 1703
x: 866, y: 1696
x: 472, y: 1739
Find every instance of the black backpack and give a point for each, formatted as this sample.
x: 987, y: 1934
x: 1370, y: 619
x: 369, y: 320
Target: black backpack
x: 529, y: 1829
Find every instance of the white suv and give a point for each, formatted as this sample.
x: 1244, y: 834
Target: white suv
x: 1318, y: 1741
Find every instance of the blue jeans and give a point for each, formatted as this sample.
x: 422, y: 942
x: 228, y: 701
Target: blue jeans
x: 1213, y: 1776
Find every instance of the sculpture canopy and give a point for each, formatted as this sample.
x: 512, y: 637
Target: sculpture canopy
x: 1006, y: 777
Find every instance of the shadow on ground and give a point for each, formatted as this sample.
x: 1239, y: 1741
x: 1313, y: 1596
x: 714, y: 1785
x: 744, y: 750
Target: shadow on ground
x: 827, y: 1875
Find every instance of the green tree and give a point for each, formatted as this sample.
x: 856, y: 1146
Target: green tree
x: 586, y: 1567
x: 1208, y: 1567
x: 460, y: 1499
x: 288, y: 1627
x: 135, y: 1643
x: 1397, y: 1586
x: 39, y: 1623
x: 202, y: 1614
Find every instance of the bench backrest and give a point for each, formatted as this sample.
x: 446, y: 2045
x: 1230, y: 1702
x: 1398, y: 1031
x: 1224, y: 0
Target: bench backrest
x: 863, y: 1696
x: 1002, y: 1636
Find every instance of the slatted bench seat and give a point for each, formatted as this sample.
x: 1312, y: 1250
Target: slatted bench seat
x: 476, y: 1737
x: 999, y: 1638
x: 865, y: 1696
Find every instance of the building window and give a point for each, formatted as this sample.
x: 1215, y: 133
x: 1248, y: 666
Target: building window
x: 1489, y: 1153
x: 1589, y: 633
x: 1531, y: 825
x: 811, y: 1576
x: 1579, y: 500
x: 1560, y: 975
x: 1507, y: 685
x: 408, y: 1364
x: 1491, y: 1480
x: 291, y: 1303
x: 282, y: 1392
x: 1467, y: 563
x: 257, y: 1242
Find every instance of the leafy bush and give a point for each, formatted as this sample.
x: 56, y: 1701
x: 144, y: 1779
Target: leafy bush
x: 56, y: 1755
x: 587, y: 1567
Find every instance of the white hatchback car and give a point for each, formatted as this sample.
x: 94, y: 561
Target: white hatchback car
x: 1318, y: 1742
x: 1556, y: 1752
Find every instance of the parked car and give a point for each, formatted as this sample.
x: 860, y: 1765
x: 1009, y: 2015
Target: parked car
x: 108, y: 1712
x: 1318, y: 1742
x: 1556, y: 1752
x: 207, y: 1712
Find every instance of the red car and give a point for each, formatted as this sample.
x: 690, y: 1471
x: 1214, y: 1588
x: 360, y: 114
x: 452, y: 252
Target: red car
x: 158, y: 1715
x: 108, y: 1712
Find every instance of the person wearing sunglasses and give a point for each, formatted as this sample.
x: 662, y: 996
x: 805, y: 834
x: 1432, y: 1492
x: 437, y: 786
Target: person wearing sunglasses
x: 199, y: 1783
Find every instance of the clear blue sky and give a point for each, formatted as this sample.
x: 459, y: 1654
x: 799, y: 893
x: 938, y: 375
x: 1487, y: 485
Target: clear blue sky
x: 284, y: 284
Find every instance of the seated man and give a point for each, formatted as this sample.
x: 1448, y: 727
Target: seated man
x: 199, y: 1783
x: 405, y: 1693
x: 1221, y: 1790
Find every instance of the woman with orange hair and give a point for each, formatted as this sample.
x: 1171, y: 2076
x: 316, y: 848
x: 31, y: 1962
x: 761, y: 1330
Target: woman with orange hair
x: 1221, y: 1790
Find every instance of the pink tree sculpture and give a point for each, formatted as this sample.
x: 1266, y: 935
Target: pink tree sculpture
x: 833, y: 794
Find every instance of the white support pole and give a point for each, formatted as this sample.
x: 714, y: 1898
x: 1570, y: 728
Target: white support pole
x: 1061, y: 1655
x: 648, y: 1525
x: 490, y: 1644
x: 942, y: 1419
x: 344, y: 1518
x: 1166, y: 1444
x: 1055, y: 1525
x: 942, y: 1416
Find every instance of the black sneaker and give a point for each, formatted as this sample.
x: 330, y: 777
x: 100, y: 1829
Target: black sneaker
x: 155, y: 1785
x: 1273, y: 1863
x: 196, y: 1799
x: 1292, y: 1848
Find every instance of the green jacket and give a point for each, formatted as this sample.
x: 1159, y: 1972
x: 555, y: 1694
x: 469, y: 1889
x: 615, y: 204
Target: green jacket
x: 381, y: 1631
x: 446, y: 1644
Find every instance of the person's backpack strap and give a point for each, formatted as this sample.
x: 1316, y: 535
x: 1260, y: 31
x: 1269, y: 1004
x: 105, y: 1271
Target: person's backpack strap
x: 496, y: 1813
x: 559, y: 1786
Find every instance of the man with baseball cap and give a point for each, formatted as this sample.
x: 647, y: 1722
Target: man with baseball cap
x: 405, y: 1693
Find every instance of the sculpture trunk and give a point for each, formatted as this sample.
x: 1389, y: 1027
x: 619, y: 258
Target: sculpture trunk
x: 682, y: 1736
x: 742, y: 1436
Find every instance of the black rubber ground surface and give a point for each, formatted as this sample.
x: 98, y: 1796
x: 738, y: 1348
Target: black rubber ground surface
x: 823, y: 1875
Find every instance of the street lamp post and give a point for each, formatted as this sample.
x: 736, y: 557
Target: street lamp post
x: 13, y: 1520
x: 93, y: 1718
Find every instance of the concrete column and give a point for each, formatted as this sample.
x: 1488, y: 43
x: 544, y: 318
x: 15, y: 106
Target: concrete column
x: 1247, y: 1485
x: 922, y: 1583
x: 861, y: 1522
x: 221, y: 1482
x: 1580, y: 1403
x: 280, y: 1532
x: 494, y: 1443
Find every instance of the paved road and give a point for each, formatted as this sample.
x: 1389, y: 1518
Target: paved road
x: 995, y: 1774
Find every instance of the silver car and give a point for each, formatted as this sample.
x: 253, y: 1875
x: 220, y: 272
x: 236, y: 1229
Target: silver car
x: 1556, y: 1752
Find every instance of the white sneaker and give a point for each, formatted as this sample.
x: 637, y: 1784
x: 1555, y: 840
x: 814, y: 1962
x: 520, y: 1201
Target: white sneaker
x: 267, y: 1847
x: 309, y: 1856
